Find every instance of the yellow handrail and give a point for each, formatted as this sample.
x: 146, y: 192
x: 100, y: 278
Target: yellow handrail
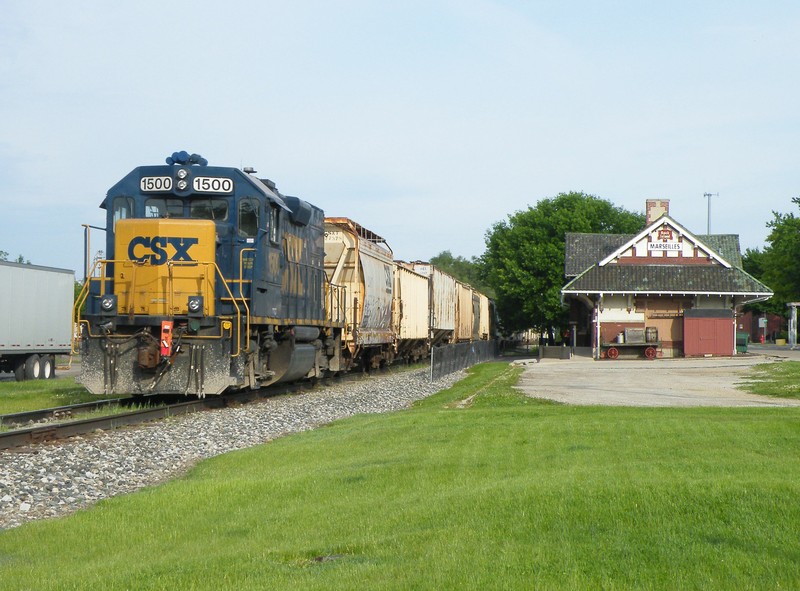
x: 238, y: 303
x: 241, y: 293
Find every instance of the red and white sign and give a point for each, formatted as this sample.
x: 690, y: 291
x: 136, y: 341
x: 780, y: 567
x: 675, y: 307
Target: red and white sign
x: 663, y: 246
x: 666, y: 241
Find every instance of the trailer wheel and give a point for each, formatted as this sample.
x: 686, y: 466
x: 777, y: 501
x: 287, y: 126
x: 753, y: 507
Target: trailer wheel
x: 48, y: 367
x: 613, y: 353
x: 33, y: 367
x: 19, y: 370
x: 650, y: 352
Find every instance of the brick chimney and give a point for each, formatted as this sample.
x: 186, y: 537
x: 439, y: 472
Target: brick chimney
x: 655, y: 209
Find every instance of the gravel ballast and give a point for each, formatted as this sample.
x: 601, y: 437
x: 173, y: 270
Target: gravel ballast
x: 56, y: 479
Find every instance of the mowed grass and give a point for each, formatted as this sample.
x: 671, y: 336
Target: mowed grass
x: 775, y: 379
x: 36, y: 394
x: 475, y: 488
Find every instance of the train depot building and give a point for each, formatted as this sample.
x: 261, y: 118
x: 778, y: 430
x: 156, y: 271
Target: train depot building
x: 664, y: 292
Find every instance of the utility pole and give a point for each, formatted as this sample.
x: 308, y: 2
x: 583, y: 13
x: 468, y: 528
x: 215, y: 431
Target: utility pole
x: 708, y: 222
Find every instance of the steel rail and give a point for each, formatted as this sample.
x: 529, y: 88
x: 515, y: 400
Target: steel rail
x: 60, y: 412
x: 53, y: 431
x: 61, y: 430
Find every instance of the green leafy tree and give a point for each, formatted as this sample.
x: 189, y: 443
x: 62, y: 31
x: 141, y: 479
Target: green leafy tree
x: 755, y: 262
x: 778, y: 262
x: 20, y: 259
x: 467, y: 270
x: 524, y: 258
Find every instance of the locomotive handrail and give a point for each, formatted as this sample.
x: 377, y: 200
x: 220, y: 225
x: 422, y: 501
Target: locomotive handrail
x: 77, y: 305
x: 233, y: 299
x: 84, y: 294
x: 241, y: 290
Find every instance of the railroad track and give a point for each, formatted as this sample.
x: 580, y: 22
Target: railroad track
x: 61, y: 422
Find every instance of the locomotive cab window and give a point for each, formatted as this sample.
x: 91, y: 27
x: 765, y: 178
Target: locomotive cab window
x: 248, y: 218
x: 163, y: 208
x: 274, y: 219
x: 209, y: 209
x: 122, y: 208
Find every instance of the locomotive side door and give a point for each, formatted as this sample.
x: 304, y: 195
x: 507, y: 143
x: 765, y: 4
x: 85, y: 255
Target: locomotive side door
x: 249, y: 216
x: 266, y: 297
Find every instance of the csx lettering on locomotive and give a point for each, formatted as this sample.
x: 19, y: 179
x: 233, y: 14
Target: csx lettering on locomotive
x: 156, y: 249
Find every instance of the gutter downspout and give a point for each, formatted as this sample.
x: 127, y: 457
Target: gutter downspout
x: 598, y: 305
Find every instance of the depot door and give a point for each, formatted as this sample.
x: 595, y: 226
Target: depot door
x: 708, y: 332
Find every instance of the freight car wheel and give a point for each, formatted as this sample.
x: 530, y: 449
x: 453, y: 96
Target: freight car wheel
x: 613, y: 353
x: 650, y: 352
x: 47, y: 367
x: 33, y: 367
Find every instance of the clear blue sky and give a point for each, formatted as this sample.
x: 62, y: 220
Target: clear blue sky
x: 425, y: 121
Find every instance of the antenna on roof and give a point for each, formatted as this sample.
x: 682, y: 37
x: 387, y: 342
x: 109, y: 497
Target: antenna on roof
x: 708, y: 222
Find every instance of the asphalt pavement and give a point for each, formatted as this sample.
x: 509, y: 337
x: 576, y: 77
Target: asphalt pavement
x: 709, y: 381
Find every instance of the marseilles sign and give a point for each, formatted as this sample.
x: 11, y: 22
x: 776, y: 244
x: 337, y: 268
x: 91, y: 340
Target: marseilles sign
x: 664, y: 246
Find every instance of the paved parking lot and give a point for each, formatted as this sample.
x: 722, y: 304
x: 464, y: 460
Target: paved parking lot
x: 662, y: 382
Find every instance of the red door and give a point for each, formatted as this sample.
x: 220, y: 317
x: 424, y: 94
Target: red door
x: 706, y: 333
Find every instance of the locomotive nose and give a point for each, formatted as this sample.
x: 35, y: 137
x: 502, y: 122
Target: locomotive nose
x: 165, y: 267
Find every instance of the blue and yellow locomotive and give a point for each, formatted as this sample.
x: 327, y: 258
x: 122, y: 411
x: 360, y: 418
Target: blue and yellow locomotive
x: 212, y: 280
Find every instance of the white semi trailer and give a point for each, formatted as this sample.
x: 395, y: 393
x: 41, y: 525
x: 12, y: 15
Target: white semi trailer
x: 35, y: 318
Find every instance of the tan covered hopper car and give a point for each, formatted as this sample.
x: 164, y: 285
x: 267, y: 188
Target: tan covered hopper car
x: 361, y: 262
x: 443, y: 302
x: 411, y: 312
x: 486, y: 325
x: 465, y: 313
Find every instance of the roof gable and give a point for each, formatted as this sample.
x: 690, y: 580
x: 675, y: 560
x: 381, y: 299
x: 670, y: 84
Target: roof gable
x: 664, y: 242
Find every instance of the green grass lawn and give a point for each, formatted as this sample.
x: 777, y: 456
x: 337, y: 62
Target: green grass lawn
x: 35, y: 394
x: 474, y: 488
x: 775, y: 379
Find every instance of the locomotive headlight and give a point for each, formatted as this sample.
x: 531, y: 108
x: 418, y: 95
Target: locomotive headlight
x: 195, y: 305
x: 108, y: 304
x: 182, y: 184
x: 182, y: 173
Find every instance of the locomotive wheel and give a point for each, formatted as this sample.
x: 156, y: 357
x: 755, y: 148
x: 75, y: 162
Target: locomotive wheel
x: 612, y: 353
x: 650, y: 352
x: 33, y: 367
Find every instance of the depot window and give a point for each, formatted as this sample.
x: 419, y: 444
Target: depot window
x: 209, y: 209
x: 248, y: 218
x: 163, y: 208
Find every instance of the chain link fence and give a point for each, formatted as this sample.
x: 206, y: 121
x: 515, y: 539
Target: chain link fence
x: 450, y: 358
